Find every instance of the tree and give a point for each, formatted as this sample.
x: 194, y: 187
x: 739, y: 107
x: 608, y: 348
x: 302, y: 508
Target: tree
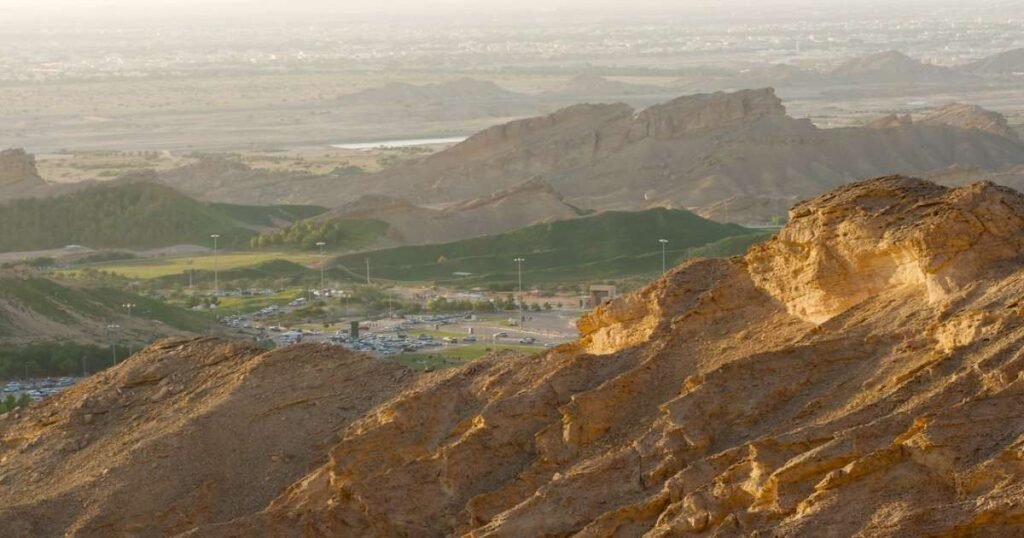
x: 24, y: 400
x: 9, y: 403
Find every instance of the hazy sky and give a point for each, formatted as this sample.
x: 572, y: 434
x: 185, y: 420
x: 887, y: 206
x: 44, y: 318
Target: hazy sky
x: 91, y: 12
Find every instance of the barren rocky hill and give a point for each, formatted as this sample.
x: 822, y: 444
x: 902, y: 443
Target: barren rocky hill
x: 458, y: 98
x: 857, y: 375
x: 1010, y: 62
x: 891, y: 66
x: 691, y: 152
x: 959, y: 115
x: 185, y: 433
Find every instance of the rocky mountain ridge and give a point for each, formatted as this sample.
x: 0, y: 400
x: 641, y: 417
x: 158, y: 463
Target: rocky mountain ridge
x: 693, y: 151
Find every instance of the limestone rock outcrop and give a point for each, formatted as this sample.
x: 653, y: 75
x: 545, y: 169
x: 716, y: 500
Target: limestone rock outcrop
x: 842, y: 248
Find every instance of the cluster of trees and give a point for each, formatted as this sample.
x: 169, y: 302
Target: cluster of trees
x: 55, y: 359
x: 338, y: 233
x: 442, y: 304
x: 11, y: 403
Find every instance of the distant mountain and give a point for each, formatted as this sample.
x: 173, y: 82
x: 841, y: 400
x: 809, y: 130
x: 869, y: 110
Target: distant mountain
x: 891, y: 66
x: 959, y: 115
x: 965, y: 116
x: 604, y: 245
x: 133, y: 215
x: 1010, y: 62
x: 590, y: 85
x: 464, y: 97
x: 689, y: 152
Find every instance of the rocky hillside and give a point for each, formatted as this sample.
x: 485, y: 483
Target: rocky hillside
x: 187, y: 432
x: 966, y: 116
x: 858, y: 374
x: 690, y: 152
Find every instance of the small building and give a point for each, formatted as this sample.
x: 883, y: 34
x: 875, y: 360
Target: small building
x: 600, y: 294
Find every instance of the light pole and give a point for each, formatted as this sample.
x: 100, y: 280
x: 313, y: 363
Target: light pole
x: 129, y: 307
x: 113, y: 342
x: 216, y: 282
x: 663, y: 243
x: 519, y: 263
x: 321, y: 244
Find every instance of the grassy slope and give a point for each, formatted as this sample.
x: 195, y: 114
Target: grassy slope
x: 605, y: 245
x: 66, y: 304
x: 132, y: 215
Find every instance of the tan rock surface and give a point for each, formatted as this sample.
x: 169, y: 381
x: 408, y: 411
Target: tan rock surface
x: 858, y: 375
x: 184, y: 433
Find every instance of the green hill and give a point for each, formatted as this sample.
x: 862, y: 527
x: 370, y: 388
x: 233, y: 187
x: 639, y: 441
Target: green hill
x: 40, y: 309
x: 605, y: 245
x: 135, y: 215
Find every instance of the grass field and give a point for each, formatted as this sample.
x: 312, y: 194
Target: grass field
x: 243, y: 305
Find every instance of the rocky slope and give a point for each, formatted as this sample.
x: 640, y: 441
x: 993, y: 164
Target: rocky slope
x: 859, y: 374
x: 185, y: 433
x: 690, y: 152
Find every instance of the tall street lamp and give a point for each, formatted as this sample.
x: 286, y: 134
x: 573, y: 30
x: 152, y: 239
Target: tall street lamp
x: 321, y: 244
x: 663, y: 243
x: 519, y: 263
x: 216, y: 282
x: 113, y: 342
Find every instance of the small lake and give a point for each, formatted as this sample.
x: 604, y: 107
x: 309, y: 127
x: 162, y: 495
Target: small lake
x: 401, y: 143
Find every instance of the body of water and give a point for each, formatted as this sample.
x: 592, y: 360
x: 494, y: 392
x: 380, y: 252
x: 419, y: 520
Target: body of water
x: 401, y: 143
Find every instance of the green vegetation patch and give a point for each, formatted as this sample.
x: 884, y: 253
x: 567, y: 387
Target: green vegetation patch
x: 68, y: 305
x: 340, y: 234
x: 606, y: 245
x: 136, y: 215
